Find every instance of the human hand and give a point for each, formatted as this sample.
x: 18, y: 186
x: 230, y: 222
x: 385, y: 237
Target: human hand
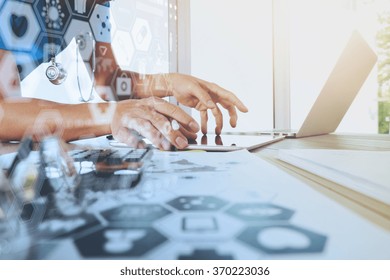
x: 151, y: 118
x: 204, y: 96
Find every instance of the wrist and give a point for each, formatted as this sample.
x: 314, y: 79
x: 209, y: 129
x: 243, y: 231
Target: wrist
x: 158, y: 85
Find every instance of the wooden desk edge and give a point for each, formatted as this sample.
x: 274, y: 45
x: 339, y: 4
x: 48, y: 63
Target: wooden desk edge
x: 371, y: 209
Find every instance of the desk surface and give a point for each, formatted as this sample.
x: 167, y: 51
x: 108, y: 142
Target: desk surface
x: 348, y: 198
x: 369, y: 142
x: 268, y: 203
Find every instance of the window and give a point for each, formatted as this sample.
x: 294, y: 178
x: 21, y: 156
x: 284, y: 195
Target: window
x: 318, y: 32
x: 231, y: 45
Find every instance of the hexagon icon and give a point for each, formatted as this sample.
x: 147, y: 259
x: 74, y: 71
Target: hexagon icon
x: 81, y: 31
x: 283, y: 239
x: 53, y: 15
x: 56, y: 225
x: 206, y: 227
x: 119, y: 242
x: 32, y: 214
x: 19, y: 26
x: 123, y: 13
x: 259, y: 212
x: 100, y: 23
x: 142, y: 35
x: 123, y: 49
x: 99, y: 114
x: 82, y: 8
x: 197, y: 203
x: 163, y: 83
x: 49, y: 122
x: 47, y: 47
x: 105, y: 93
x: 205, y: 254
x: 160, y: 57
x: 136, y: 214
x: 8, y: 201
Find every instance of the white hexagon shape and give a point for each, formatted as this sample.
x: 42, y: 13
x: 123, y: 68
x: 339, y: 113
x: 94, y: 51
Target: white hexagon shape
x: 123, y: 14
x: 105, y: 93
x: 142, y: 35
x: 100, y: 23
x: 81, y: 31
x: 48, y: 123
x: 19, y: 26
x: 123, y: 49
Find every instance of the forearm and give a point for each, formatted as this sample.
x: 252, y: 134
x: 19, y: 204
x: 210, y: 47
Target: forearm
x: 143, y: 85
x: 157, y: 85
x: 38, y: 117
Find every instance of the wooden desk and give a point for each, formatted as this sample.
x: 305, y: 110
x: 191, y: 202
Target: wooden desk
x: 371, y: 209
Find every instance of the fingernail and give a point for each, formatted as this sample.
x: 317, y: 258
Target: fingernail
x: 181, y: 142
x: 194, y: 126
x: 175, y: 125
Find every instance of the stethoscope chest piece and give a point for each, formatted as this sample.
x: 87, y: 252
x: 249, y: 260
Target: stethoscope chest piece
x: 56, y: 73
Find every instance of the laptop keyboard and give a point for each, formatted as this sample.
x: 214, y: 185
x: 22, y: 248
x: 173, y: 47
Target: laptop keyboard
x: 113, y: 168
x: 109, y: 156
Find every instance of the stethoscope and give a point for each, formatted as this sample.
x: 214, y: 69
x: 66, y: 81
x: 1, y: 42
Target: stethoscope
x: 57, y: 74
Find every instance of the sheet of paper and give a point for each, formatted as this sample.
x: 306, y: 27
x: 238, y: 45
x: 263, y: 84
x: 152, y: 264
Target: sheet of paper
x: 234, y: 205
x: 194, y: 205
x: 363, y: 171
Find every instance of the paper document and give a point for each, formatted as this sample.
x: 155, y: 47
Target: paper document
x: 366, y: 172
x: 200, y: 205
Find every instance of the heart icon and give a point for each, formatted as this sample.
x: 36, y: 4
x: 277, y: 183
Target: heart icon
x: 283, y: 238
x: 19, y: 25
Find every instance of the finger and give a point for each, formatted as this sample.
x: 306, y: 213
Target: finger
x: 164, y: 126
x: 218, y: 120
x: 202, y: 95
x: 218, y: 140
x: 188, y: 134
x: 226, y: 96
x: 174, y: 112
x: 204, y: 120
x: 236, y: 102
x: 233, y: 116
x: 127, y: 136
x: 141, y: 145
x: 146, y: 129
x: 203, y: 140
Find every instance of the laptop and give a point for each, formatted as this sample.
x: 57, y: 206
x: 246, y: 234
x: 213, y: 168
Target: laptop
x: 227, y: 142
x: 344, y: 82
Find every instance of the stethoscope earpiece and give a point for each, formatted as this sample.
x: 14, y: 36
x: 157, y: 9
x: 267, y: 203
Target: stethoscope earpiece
x: 56, y: 73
